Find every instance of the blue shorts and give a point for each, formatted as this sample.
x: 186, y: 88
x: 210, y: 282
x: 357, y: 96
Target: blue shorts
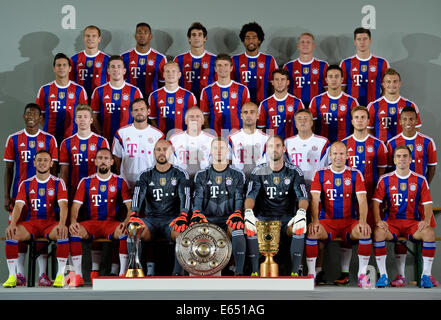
x: 159, y: 226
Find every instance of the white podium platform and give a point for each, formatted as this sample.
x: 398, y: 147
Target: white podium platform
x: 203, y: 284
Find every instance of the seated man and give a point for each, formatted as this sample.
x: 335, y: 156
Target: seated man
x: 101, y: 194
x: 338, y: 189
x: 218, y: 199
x: 407, y: 196
x: 43, y: 195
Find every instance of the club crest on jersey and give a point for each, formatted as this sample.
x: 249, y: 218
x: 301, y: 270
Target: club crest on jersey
x: 287, y: 181
x: 41, y: 192
x: 233, y: 95
x: 225, y: 94
x: 229, y: 181
x: 196, y: 65
x: 373, y: 69
x: 162, y: 181
x: 403, y: 186
x: 412, y: 187
x: 179, y: 100
x: 61, y: 95
x: 363, y: 68
x: 170, y: 100
x: 151, y: 62
x: 142, y: 61
x: 342, y: 108
x: 103, y: 188
x: 50, y: 192
x: 71, y: 95
x: 173, y: 181
x: 276, y: 180
x: 392, y: 110
x: 360, y: 149
x: 306, y: 70
x: 333, y: 106
x: 89, y: 63
x: 337, y: 182
x: 98, y: 64
x: 83, y: 147
x: 92, y: 147
x: 315, y: 71
x: 41, y: 144
x: 112, y: 188
x: 205, y: 65
x: 314, y: 148
x: 261, y: 65
x: 370, y: 149
x: 116, y: 96
x: 419, y: 148
x: 219, y: 179
x: 281, y: 107
x: 290, y: 108
x: 347, y: 182
x: 126, y: 97
x: 31, y: 144
x: 252, y: 64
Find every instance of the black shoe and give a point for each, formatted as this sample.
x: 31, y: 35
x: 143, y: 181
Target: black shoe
x: 320, y: 279
x: 343, y: 280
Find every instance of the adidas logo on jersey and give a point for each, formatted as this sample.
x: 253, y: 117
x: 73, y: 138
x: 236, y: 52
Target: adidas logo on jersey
x: 328, y: 182
x: 151, y: 184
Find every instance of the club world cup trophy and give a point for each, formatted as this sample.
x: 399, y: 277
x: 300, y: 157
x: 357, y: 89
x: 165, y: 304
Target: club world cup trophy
x: 134, y: 231
x: 268, y: 237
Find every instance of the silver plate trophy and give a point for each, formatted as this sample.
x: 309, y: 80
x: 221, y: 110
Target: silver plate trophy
x: 204, y: 249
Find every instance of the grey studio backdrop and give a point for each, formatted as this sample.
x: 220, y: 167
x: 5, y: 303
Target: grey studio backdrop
x: 407, y: 33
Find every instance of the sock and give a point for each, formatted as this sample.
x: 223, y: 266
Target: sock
x: 177, y: 268
x: 311, y: 255
x: 380, y: 256
x: 62, y: 254
x: 364, y: 253
x: 150, y: 268
x: 115, y: 264
x: 76, y: 254
x: 296, y: 251
x: 11, y: 248
x: 253, y: 253
x: 400, y: 260
x: 239, y: 248
x: 96, y: 260
x: 123, y: 255
x: 345, y: 258
x: 42, y: 263
x: 428, y: 254
x: 22, y: 251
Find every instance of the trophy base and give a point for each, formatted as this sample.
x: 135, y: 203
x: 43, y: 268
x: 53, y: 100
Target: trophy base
x: 268, y: 268
x: 134, y: 273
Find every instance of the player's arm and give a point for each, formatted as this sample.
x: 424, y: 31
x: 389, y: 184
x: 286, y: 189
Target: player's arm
x: 139, y: 193
x: 377, y: 200
x: 96, y: 126
x: 7, y: 185
x: 62, y: 227
x: 117, y: 163
x: 64, y: 173
x: 315, y: 207
x: 198, y: 198
x: 430, y: 173
x: 16, y: 213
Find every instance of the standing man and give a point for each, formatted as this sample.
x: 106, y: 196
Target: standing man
x: 89, y: 67
x: 408, y: 213
x: 362, y: 73
x: 169, y: 104
x: 197, y: 64
x: 110, y: 102
x: 133, y: 144
x: 43, y: 196
x: 144, y: 65
x: 332, y: 110
x: 221, y: 101
x: 276, y: 113
x: 252, y: 68
x: 307, y: 74
x: 191, y: 148
x: 58, y: 100
x: 102, y: 194
x: 165, y: 189
x: 277, y: 191
x: 335, y: 192
x: 384, y: 113
x: 218, y: 199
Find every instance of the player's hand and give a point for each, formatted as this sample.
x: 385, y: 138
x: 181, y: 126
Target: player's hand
x: 235, y: 221
x: 61, y: 231
x: 422, y: 225
x: 298, y: 222
x: 197, y: 217
x: 314, y: 227
x: 383, y: 225
x: 250, y: 223
x: 364, y: 229
x: 180, y: 223
x: 11, y: 230
x: 74, y: 228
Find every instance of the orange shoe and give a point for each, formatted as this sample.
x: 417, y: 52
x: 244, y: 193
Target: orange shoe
x: 94, y: 275
x: 77, y: 281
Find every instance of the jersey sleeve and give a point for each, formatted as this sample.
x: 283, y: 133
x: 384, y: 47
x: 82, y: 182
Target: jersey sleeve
x: 313, y: 108
x: 254, y: 185
x: 184, y: 193
x: 192, y: 101
x: 40, y: 100
x: 345, y: 74
x: 9, y: 154
x: 117, y: 145
x: 261, y: 120
x: 82, y: 99
x: 425, y: 193
x: 315, y: 184
x: 238, y: 196
x: 431, y: 154
x: 372, y: 115
x: 153, y: 107
x: 80, y: 193
x: 53, y: 149
x: 64, y: 154
x: 199, y: 184
x: 299, y: 185
x: 360, y: 187
x: 62, y: 191
x: 205, y: 108
x: 95, y: 101
x: 324, y: 156
x: 125, y: 193
x: 382, y: 156
x: 21, y: 194
x: 246, y: 96
x: 379, y: 192
x: 139, y: 192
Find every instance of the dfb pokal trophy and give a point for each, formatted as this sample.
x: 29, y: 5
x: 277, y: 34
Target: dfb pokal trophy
x: 135, y: 227
x: 268, y: 237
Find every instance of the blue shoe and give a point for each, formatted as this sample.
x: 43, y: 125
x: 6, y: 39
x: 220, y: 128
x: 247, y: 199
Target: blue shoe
x: 383, y: 282
x: 426, y: 282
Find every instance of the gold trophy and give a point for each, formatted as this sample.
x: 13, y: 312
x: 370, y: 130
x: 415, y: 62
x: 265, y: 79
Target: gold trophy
x: 268, y: 237
x: 134, y: 231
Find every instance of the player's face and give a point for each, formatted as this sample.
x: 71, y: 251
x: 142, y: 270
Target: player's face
x: 306, y: 45
x: 62, y: 68
x: 251, y: 41
x: 140, y: 112
x: 91, y: 38
x: 249, y: 115
x: 275, y: 149
x: 223, y: 69
x: 194, y: 119
x: 219, y: 152
x: 197, y: 39
x: 334, y: 79
x: 104, y: 161
x: 172, y: 73
x: 362, y: 42
x: 162, y: 152
x: 303, y: 122
x: 280, y: 83
x: 143, y: 36
x: 402, y: 159
x: 408, y: 122
x: 338, y: 155
x: 392, y: 84
x: 116, y: 70
x: 83, y: 119
x: 31, y: 117
x: 43, y: 163
x: 360, y: 120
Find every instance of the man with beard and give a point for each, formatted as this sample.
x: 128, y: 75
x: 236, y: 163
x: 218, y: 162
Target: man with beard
x: 165, y: 189
x: 133, y: 144
x: 102, y: 194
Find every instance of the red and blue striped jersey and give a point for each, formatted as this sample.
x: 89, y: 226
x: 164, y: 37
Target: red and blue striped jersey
x: 367, y: 156
x: 21, y: 148
x: 113, y: 106
x: 254, y: 72
x: 58, y: 106
x: 332, y: 115
x: 223, y: 104
x: 423, y: 151
x: 169, y: 108
x: 278, y: 115
x: 362, y: 78
x: 90, y: 72
x: 79, y: 154
x: 405, y: 196
x: 338, y: 192
x: 144, y: 70
x: 102, y: 198
x: 41, y: 198
x: 197, y: 72
x: 384, y: 117
x: 306, y: 79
